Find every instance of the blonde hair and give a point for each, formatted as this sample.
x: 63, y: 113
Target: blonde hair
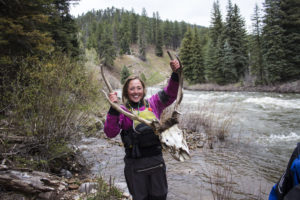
x: 125, y: 97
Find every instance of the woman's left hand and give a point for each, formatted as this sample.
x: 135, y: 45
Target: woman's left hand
x: 174, y: 65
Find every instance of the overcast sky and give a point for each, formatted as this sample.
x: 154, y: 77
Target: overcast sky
x: 191, y: 11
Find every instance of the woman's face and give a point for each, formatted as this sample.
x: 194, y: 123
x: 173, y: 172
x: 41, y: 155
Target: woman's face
x: 135, y: 90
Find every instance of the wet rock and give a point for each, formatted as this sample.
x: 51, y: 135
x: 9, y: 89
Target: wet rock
x: 73, y: 187
x: 200, y: 144
x: 71, y: 181
x: 66, y: 173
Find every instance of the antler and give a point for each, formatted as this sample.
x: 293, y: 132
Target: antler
x: 153, y: 124
x: 105, y: 80
x: 179, y: 94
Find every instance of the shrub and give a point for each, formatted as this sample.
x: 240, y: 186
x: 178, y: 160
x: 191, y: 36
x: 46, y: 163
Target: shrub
x: 106, y: 190
x: 222, y: 184
x: 50, y: 98
x: 124, y: 74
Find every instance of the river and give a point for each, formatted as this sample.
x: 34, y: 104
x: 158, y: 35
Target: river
x: 264, y: 131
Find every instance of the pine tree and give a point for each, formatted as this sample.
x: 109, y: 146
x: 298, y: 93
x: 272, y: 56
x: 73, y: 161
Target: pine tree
x: 133, y: 27
x: 235, y: 37
x: 167, y: 33
x: 124, y: 44
x: 186, y: 55
x: 124, y: 74
x: 215, y: 51
x: 108, y: 52
x: 274, y: 54
x: 230, y: 73
x: 98, y: 35
x: 159, y: 38
x: 210, y: 63
x: 159, y: 43
x: 183, y: 29
x: 217, y: 26
x: 176, y: 36
x: 21, y: 33
x: 219, y: 76
x: 290, y: 12
x: 256, y: 65
x: 63, y: 28
x: 142, y: 33
x: 153, y: 30
x: 197, y: 59
x: 93, y: 36
x: 125, y: 36
x: 116, y: 30
x: 27, y: 30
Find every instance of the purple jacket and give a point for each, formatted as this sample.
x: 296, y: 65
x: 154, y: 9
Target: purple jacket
x: 115, y: 123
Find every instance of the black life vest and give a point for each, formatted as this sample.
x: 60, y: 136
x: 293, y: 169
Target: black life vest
x: 140, y: 140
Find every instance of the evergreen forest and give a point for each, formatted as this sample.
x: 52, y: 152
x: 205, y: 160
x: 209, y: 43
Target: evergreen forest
x: 223, y: 53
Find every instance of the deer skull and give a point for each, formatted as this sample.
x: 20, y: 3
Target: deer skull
x: 173, y: 140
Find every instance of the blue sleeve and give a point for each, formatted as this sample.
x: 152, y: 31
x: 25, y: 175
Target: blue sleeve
x: 273, y: 195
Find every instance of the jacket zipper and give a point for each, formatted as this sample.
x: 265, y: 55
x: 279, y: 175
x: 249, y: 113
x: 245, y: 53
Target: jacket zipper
x: 149, y: 168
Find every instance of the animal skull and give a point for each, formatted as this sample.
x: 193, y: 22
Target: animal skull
x: 173, y: 140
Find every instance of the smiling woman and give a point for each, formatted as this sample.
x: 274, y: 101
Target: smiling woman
x: 144, y: 163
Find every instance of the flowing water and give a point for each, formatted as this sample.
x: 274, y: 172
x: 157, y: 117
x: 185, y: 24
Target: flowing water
x: 264, y: 131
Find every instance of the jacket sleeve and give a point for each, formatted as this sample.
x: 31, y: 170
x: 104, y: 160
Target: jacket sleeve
x: 112, y: 126
x: 285, y: 183
x: 158, y: 102
x: 273, y: 195
x: 116, y: 122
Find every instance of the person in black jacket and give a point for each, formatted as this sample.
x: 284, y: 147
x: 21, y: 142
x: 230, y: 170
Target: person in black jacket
x: 288, y: 187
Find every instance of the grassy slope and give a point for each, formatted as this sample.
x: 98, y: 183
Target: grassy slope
x: 156, y: 69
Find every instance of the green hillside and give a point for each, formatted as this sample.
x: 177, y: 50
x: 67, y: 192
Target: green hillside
x: 156, y: 69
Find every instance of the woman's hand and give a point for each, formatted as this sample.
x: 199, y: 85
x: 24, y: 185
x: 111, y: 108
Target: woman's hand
x: 174, y: 64
x: 113, y: 97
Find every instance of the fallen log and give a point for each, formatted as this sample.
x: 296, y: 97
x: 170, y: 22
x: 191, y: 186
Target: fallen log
x: 32, y: 182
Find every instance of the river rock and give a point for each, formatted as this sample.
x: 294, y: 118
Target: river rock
x: 200, y: 144
x: 66, y: 173
x: 73, y: 187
